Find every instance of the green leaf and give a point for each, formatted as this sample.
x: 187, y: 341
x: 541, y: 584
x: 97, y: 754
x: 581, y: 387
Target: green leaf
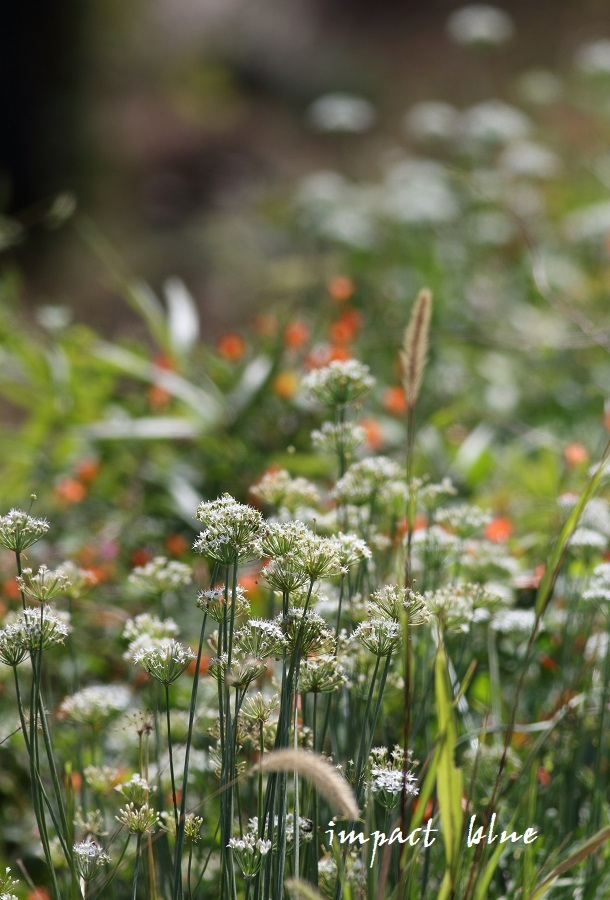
x: 449, y: 781
x: 547, y: 583
x: 577, y: 856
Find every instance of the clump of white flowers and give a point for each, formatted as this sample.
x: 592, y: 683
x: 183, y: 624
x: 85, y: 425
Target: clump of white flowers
x: 95, y: 704
x: 164, y: 659
x: 89, y: 857
x: 380, y: 635
x: 480, y: 25
x: 390, y: 775
x: 230, y: 529
x: 19, y: 530
x: 341, y: 112
x: 249, y: 852
x: 339, y: 383
x: 45, y: 584
x: 160, y: 575
x: 277, y: 488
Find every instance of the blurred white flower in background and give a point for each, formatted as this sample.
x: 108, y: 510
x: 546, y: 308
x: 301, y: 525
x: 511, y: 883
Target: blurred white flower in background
x: 341, y: 112
x: 593, y: 58
x: 480, y: 25
x: 531, y: 160
x: 432, y: 121
x: 493, y: 122
x: 539, y: 87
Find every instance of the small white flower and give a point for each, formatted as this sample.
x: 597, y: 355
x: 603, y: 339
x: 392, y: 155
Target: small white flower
x: 480, y: 25
x: 95, y: 704
x: 341, y: 112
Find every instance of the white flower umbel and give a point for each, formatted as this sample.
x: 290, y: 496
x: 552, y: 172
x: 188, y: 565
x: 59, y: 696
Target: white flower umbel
x: 432, y: 121
x: 277, y: 488
x: 363, y: 480
x: 594, y: 58
x: 260, y: 638
x: 599, y: 585
x: 230, y: 529
x: 96, y: 704
x: 160, y: 575
x: 392, y: 601
x: 339, y: 383
x: 214, y: 600
x: 6, y: 882
x: 138, y: 821
x: 338, y: 438
x: 137, y: 790
x: 280, y: 538
x: 351, y: 549
x: 480, y: 25
x: 89, y: 857
x: 389, y: 775
x: 249, y: 852
x: 341, y: 113
x: 36, y: 629
x: 45, y: 584
x: 381, y: 636
x: 321, y: 675
x: 165, y: 660
x: 18, y: 530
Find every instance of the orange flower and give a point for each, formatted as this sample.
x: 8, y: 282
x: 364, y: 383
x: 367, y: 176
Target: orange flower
x: 543, y: 776
x: 176, y: 544
x: 346, y: 327
x: 39, y: 893
x: 296, y: 334
x: 204, y: 665
x: 87, y: 470
x: 395, y: 400
x: 339, y: 354
x: 285, y: 384
x: 69, y: 490
x: 499, y: 530
x: 547, y: 662
x: 265, y: 325
x: 158, y: 398
x: 231, y: 347
x: 575, y: 454
x: 140, y: 556
x: 374, y: 434
x: 10, y: 589
x: 340, y: 288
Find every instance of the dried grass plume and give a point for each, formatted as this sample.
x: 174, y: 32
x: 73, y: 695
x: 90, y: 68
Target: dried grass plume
x: 414, y: 353
x: 314, y: 768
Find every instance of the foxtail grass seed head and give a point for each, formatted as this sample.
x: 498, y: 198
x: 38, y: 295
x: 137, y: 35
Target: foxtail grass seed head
x: 165, y: 660
x: 89, y: 857
x: 45, y: 584
x: 95, y: 704
x: 230, y: 529
x: 339, y: 383
x: 214, y: 601
x: 324, y: 777
x: 18, y: 530
x: 139, y: 821
x: 160, y: 575
x: 414, y: 353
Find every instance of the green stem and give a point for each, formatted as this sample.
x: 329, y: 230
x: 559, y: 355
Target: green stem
x: 136, y: 871
x: 171, y: 755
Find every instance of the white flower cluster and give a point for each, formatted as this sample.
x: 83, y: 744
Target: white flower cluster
x: 165, y: 659
x: 230, y: 529
x: 380, y: 635
x: 480, y: 25
x: 88, y: 858
x: 160, y: 575
x: 215, y: 600
x: 364, y: 479
x: 599, y: 585
x: 457, y: 607
x: 390, y: 774
x: 339, y: 383
x: 340, y: 112
x: 45, y: 585
x: 144, y: 629
x: 338, y: 438
x: 18, y: 530
x: 95, y: 704
x: 277, y: 488
x: 30, y: 631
